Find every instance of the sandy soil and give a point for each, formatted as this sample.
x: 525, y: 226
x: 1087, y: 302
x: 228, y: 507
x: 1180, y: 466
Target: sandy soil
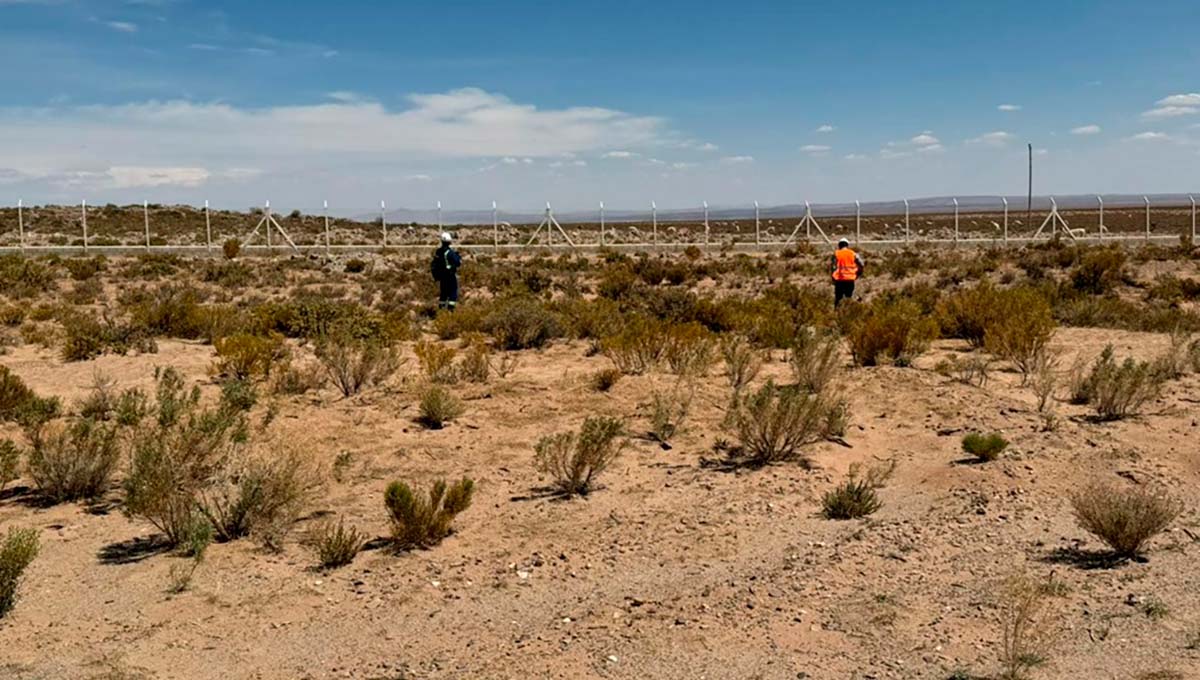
x: 675, y: 569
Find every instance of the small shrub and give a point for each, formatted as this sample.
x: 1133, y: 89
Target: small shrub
x: 984, y: 447
x: 197, y: 538
x: 742, y: 363
x: 259, y: 493
x: 1044, y: 381
x: 522, y: 323
x: 1124, y: 518
x: 1118, y: 391
x: 814, y: 359
x: 438, y: 406
x: 337, y: 544
x: 689, y: 349
x: 10, y: 462
x: 851, y: 499
x: 243, y: 356
x: 355, y: 266
x: 1020, y: 329
x: 299, y: 379
x: 1099, y: 271
x: 354, y: 365
x: 886, y: 330
x: 86, y: 337
x: 476, y: 365
x: 17, y: 552
x: 573, y: 461
x: 669, y: 412
x: 231, y: 248
x: 774, y: 423
x: 1029, y: 625
x: 238, y: 395
x: 503, y: 366
x: 437, y: 361
x: 967, y: 313
x: 71, y: 462
x: 460, y: 322
x: 637, y: 347
x: 420, y: 522
x: 604, y: 379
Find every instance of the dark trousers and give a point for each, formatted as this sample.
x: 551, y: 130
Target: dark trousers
x: 448, y: 292
x: 842, y: 290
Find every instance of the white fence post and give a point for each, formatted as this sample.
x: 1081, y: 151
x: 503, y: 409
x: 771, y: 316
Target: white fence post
x: 857, y: 223
x: 267, y: 215
x: 601, y: 223
x: 495, y: 228
x: 1193, y: 200
x: 1100, y: 200
x: 1005, y: 199
x: 906, y: 230
x: 21, y: 223
x: 956, y: 221
x: 146, y: 222
x: 383, y: 221
x: 325, y: 214
x: 757, y: 239
x: 439, y: 216
x: 654, y: 220
x: 83, y: 212
x: 1147, y: 200
x: 706, y: 228
x: 207, y: 229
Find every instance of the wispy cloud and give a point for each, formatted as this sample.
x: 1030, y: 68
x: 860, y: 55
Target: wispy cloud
x: 925, y: 139
x: 1188, y: 99
x: 826, y: 128
x: 996, y: 138
x: 815, y: 149
x: 122, y: 26
x: 1150, y: 136
x: 620, y: 154
x: 1086, y: 130
x: 1162, y: 112
x: 1009, y: 107
x: 738, y: 159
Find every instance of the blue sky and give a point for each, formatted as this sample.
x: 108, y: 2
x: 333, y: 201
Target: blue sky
x: 577, y: 102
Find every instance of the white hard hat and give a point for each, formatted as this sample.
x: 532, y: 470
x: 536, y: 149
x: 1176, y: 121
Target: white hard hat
x: 446, y: 237
x: 843, y: 242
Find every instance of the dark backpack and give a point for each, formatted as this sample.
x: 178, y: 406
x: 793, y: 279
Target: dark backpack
x: 436, y: 266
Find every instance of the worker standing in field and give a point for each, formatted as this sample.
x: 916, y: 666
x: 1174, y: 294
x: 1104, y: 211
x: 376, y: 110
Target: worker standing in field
x: 444, y: 268
x: 845, y: 266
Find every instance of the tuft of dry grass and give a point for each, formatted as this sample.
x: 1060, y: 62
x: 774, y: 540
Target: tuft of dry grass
x: 1125, y: 518
x: 336, y: 544
x: 438, y: 406
x: 573, y: 461
x: 1029, y: 624
x: 774, y: 423
x: 73, y: 461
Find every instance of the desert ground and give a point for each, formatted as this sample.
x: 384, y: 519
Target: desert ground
x: 684, y: 561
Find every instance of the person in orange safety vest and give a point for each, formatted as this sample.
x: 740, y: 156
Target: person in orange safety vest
x: 845, y: 266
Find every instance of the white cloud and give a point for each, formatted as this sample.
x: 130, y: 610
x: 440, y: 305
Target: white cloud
x: 708, y: 146
x: 418, y: 178
x: 682, y: 165
x: 997, y: 138
x: 815, y: 149
x: 738, y: 159
x: 931, y: 148
x: 1149, y: 136
x: 1086, y: 130
x: 826, y: 128
x: 655, y: 161
x: 128, y: 177
x: 854, y: 157
x: 1009, y: 107
x: 620, y: 154
x: 345, y: 96
x: 122, y: 26
x: 1189, y: 99
x: 924, y: 139
x: 1169, y: 112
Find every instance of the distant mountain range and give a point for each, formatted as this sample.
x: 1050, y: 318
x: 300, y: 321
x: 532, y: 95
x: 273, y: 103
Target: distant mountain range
x: 940, y: 204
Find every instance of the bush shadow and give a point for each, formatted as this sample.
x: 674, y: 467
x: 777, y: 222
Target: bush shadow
x: 133, y: 550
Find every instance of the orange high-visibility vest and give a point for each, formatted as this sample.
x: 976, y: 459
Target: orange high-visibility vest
x: 847, y: 266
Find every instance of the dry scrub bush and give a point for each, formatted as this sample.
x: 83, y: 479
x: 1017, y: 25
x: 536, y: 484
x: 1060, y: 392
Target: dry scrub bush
x: 438, y: 406
x: 243, y: 356
x: 420, y: 522
x: 86, y: 337
x: 1021, y: 329
x: 1174, y: 363
x: 669, y: 411
x: 573, y: 461
x: 851, y: 499
x: 886, y: 330
x: 637, y: 347
x: 10, y: 462
x: 1118, y: 391
x: 522, y: 323
x: 231, y: 248
x: 337, y: 544
x: 175, y: 456
x: 814, y: 359
x: 742, y: 363
x: 984, y: 447
x: 1044, y: 380
x: 437, y: 361
x: 504, y: 365
x: 774, y: 423
x: 689, y: 349
x: 476, y: 365
x: 357, y: 364
x: 17, y: 552
x: 19, y: 403
x: 194, y: 545
x: 72, y: 461
x: 1099, y: 271
x: 971, y: 370
x: 604, y: 379
x: 1125, y: 518
x: 462, y: 321
x: 259, y: 492
x: 294, y: 379
x: 966, y: 313
x: 1029, y: 624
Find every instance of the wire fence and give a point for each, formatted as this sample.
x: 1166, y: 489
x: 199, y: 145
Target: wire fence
x: 85, y: 228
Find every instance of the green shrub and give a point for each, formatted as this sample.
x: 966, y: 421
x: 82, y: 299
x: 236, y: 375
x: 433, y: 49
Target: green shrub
x: 1021, y: 328
x: 18, y: 403
x: 242, y: 356
x: 689, y: 349
x: 573, y: 461
x: 354, y: 364
x: 10, y: 462
x: 604, y: 379
x: 337, y: 544
x: 438, y: 406
x: 437, y: 361
x: 637, y: 347
x: 814, y: 359
x: 886, y: 330
x: 1099, y: 271
x: 669, y: 411
x: 984, y: 447
x: 259, y: 493
x: 462, y: 321
x: 773, y: 424
x: 355, y: 266
x: 1118, y: 391
x: 742, y: 363
x: 21, y: 277
x: 170, y: 310
x: 71, y: 462
x: 420, y: 522
x: 1124, y: 518
x: 84, y: 268
x: 967, y: 313
x: 851, y: 499
x: 17, y: 552
x: 238, y: 394
x: 86, y: 337
x: 476, y: 365
x: 521, y: 323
